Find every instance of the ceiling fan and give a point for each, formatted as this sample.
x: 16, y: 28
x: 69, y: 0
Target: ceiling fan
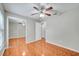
x: 43, y: 10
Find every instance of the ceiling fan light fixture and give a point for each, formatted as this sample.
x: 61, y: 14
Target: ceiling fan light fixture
x: 42, y: 15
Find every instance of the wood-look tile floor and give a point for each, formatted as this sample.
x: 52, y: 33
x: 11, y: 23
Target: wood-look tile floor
x: 19, y: 47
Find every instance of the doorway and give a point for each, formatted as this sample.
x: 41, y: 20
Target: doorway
x: 17, y: 33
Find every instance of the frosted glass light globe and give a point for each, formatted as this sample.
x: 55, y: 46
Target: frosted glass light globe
x: 42, y: 15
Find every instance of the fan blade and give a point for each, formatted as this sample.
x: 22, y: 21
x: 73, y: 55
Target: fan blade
x: 34, y: 13
x: 36, y: 8
x: 49, y: 8
x: 47, y: 14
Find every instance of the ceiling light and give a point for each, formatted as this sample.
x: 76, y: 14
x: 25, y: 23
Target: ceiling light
x: 42, y: 15
x: 23, y: 24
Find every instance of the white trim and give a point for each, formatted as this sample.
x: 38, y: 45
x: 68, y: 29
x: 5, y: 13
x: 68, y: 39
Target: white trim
x: 64, y: 47
x: 8, y: 19
x: 33, y: 41
x: 26, y: 32
x: 2, y: 11
x: 56, y: 45
x: 3, y: 52
x: 7, y: 30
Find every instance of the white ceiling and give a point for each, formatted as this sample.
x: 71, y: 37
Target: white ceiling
x: 26, y: 9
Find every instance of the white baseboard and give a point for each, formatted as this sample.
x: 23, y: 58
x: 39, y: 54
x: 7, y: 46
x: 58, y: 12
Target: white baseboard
x: 2, y: 52
x: 64, y: 47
